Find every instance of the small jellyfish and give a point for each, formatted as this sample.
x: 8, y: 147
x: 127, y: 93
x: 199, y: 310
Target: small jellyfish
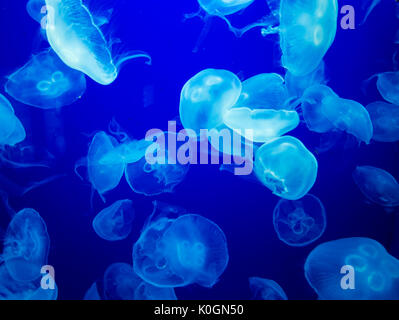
x: 286, y: 167
x: 353, y: 269
x: 206, y: 97
x: 176, y: 253
x: 387, y: 85
x: 92, y: 293
x: 263, y: 123
x: 385, y: 119
x: 225, y: 8
x: 263, y: 91
x: 377, y: 185
x: 301, y: 222
x: 78, y: 41
x: 115, y: 222
x: 46, y: 82
x: 26, y: 245
x: 121, y: 283
x: 265, y: 289
x: 12, y: 131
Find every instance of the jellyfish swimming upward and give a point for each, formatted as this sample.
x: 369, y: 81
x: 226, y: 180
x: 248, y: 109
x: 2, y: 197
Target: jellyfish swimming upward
x: 265, y: 289
x: 286, y: 167
x: 12, y: 131
x: 78, y: 41
x: 182, y: 251
x: 115, y: 222
x: 301, y: 222
x: 46, y: 82
x: 375, y: 273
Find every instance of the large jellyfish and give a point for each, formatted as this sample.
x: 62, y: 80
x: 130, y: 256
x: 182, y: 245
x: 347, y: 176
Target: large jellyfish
x: 353, y: 269
x: 286, y: 167
x: 78, y: 41
x: 26, y: 245
x: 176, y: 253
x: 121, y: 283
x: 263, y: 91
x: 265, y: 289
x: 12, y: 131
x: 115, y: 222
x: 206, y: 97
x: 385, y: 119
x: 46, y: 82
x: 263, y: 123
x: 377, y: 185
x: 301, y: 222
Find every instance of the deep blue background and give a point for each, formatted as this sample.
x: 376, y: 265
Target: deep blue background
x: 146, y: 97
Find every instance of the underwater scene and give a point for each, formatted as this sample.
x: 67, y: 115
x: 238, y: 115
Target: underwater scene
x: 199, y: 150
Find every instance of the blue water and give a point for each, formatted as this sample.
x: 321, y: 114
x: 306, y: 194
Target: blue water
x: 145, y: 97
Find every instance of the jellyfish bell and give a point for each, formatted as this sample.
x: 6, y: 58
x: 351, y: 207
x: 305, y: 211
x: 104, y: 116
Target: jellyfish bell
x: 265, y: 289
x: 387, y: 84
x: 286, y: 167
x: 374, y: 271
x: 46, y: 82
x: 301, y: 222
x: 385, y: 119
x: 115, y: 222
x: 222, y: 7
x: 78, y: 41
x: 12, y: 131
x: 26, y: 245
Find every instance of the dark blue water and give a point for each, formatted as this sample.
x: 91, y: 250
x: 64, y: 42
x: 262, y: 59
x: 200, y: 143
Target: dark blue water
x: 145, y: 97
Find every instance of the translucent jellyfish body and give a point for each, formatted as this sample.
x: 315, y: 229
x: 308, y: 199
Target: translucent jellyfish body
x: 115, y: 222
x: 265, y: 289
x: 121, y: 283
x: 103, y: 177
x: 263, y: 91
x: 385, y: 119
x: 11, y: 128
x: 263, y: 123
x: 206, y: 97
x: 78, y: 41
x: 26, y: 245
x: 375, y: 273
x: 176, y: 253
x: 46, y: 82
x: 225, y: 8
x: 388, y: 84
x: 127, y: 152
x: 286, y: 167
x: 377, y: 185
x: 301, y: 222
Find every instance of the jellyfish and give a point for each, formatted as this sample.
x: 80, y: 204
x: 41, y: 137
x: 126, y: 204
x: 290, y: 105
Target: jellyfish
x: 265, y: 289
x: 46, y: 82
x: 81, y: 45
x: 182, y: 251
x: 387, y: 85
x: 26, y: 245
x: 92, y: 293
x: 206, y: 97
x: 385, y: 119
x: 263, y: 91
x: 115, y: 222
x: 36, y: 9
x: 286, y: 167
x: 12, y: 131
x: 128, y: 152
x: 377, y: 185
x: 263, y: 123
x: 353, y: 269
x: 301, y: 222
x: 121, y: 283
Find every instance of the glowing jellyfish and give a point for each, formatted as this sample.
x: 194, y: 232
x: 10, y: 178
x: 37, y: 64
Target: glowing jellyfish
x: 92, y: 293
x: 263, y: 123
x: 176, y: 253
x: 225, y: 8
x: 128, y: 152
x: 11, y: 128
x: 103, y: 177
x: 301, y: 222
x: 121, y: 283
x: 263, y: 91
x: 369, y: 272
x: 78, y: 41
x: 385, y: 119
x: 265, y: 289
x: 387, y: 85
x: 206, y: 97
x: 46, y: 82
x: 377, y: 185
x: 115, y: 222
x: 286, y: 167
x: 26, y: 245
